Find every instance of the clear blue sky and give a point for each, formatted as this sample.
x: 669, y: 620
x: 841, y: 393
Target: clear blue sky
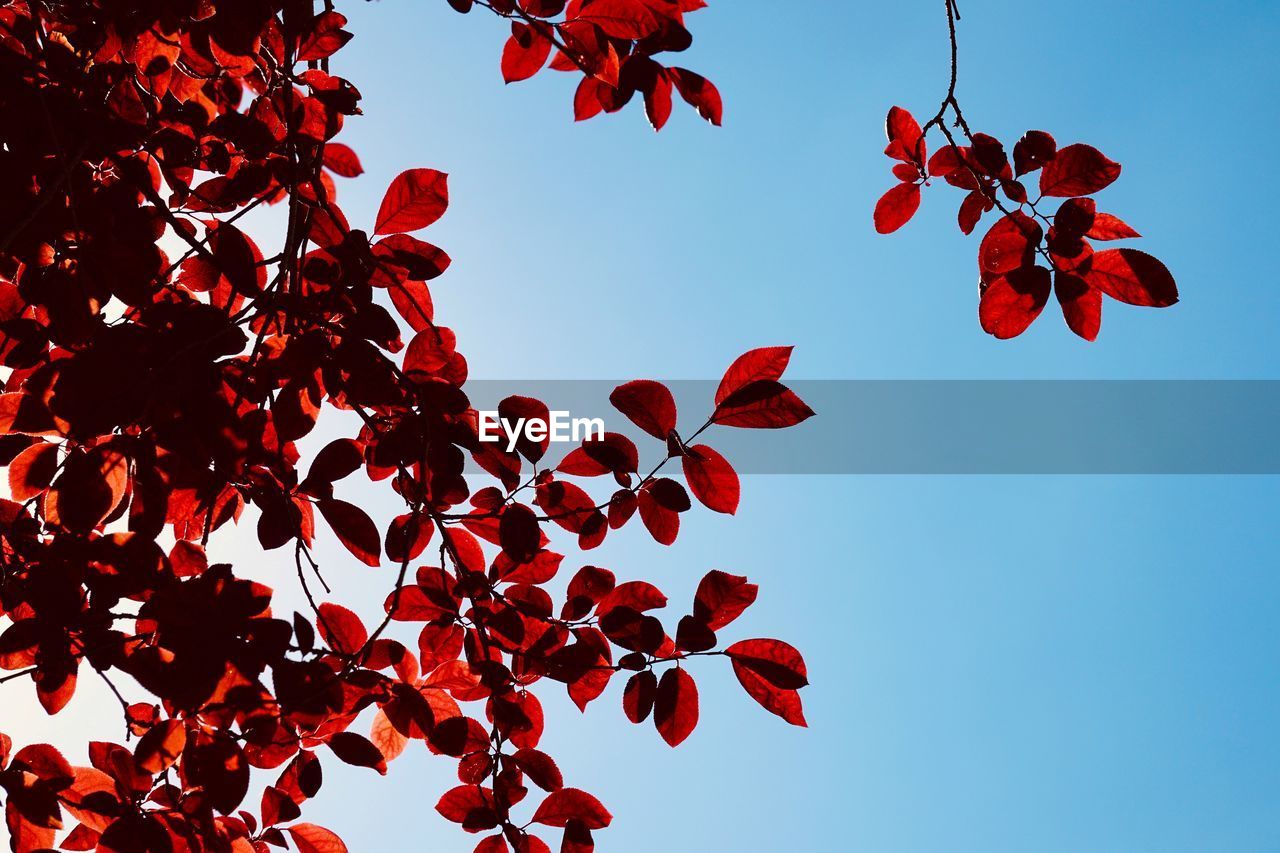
x: 998, y: 664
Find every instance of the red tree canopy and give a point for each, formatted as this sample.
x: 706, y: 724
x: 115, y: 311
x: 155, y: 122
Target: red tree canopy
x: 152, y: 396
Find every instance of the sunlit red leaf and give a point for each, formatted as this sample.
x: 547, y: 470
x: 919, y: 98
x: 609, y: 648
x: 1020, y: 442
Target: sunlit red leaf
x: 624, y: 19
x: 325, y: 37
x: 1108, y: 227
x: 763, y: 404
x: 1081, y: 304
x: 1077, y: 170
x: 469, y: 805
x: 771, y: 672
x: 711, y: 478
x: 896, y: 207
x: 698, y: 92
x: 764, y: 363
x: 32, y: 470
x: 721, y: 598
x: 310, y: 838
x: 1011, y: 302
x: 648, y: 404
x: 568, y: 804
x: 341, y: 160
x: 161, y: 746
x: 341, y: 628
x: 415, y: 199
x: 525, y: 52
x: 1010, y: 244
x: 1131, y: 276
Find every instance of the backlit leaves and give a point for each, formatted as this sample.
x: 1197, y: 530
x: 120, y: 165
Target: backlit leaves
x: 166, y: 381
x: 1027, y: 251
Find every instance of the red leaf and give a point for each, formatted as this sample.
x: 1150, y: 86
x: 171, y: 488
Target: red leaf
x: 357, y: 751
x: 32, y: 470
x: 402, y: 255
x: 974, y: 205
x: 415, y: 199
x: 341, y: 629
x: 765, y: 363
x: 661, y: 502
x: 389, y: 741
x: 1108, y: 227
x: 612, y: 452
x: 905, y: 139
x: 518, y: 532
x: 675, y: 707
x: 763, y: 404
x: 540, y: 768
x: 1010, y: 244
x: 773, y: 660
x: 637, y: 595
x: 721, y: 598
x: 1077, y: 170
x: 326, y: 36
x: 648, y: 404
x: 568, y: 804
x: 711, y: 478
x: 1012, y: 301
x: 430, y: 351
x: 469, y: 805
x: 407, y: 537
x: 1032, y: 151
x: 638, y: 696
x: 896, y: 207
x: 698, y: 92
x: 1081, y: 304
x: 623, y: 19
x: 524, y: 53
x: 161, y: 746
x: 341, y: 160
x: 771, y: 672
x: 1131, y: 276
x: 310, y: 838
x: 337, y: 459
x: 586, y: 98
x: 354, y: 528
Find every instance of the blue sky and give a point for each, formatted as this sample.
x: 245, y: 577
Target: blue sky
x: 998, y: 663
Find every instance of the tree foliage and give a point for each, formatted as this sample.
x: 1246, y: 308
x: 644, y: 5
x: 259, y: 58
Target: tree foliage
x: 1013, y: 286
x: 153, y: 395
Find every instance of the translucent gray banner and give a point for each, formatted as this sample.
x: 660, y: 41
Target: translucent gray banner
x: 965, y: 427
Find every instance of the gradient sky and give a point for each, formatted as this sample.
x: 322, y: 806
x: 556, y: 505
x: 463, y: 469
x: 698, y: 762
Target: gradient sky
x: 998, y: 663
